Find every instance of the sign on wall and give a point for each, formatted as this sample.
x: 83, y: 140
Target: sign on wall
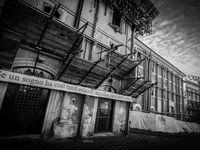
x: 7, y: 76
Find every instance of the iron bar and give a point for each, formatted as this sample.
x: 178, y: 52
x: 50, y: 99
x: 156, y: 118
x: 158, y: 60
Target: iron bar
x: 129, y: 85
x: 78, y: 13
x: 85, y: 26
x: 147, y: 88
x: 112, y: 71
x: 133, y: 67
x: 41, y: 37
x: 68, y: 64
x: 112, y: 49
x: 66, y: 58
x: 138, y: 88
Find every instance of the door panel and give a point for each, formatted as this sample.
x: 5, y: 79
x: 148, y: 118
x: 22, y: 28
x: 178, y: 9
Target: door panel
x: 23, y: 110
x: 104, y: 116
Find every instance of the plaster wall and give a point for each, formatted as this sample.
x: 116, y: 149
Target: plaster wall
x: 159, y: 105
x: 89, y: 116
x: 52, y: 115
x: 120, y: 111
x: 67, y: 126
x: 3, y: 87
x: 27, y: 58
x: 192, y: 86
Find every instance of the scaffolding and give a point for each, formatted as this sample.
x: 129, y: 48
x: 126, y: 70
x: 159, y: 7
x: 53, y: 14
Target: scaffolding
x: 140, y: 13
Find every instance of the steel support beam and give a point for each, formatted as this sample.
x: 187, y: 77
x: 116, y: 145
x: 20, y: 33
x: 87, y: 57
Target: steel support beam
x: 68, y: 64
x: 138, y: 88
x: 134, y: 67
x: 112, y: 71
x: 94, y: 65
x: 66, y: 58
x: 148, y: 87
x: 41, y: 37
x: 129, y: 85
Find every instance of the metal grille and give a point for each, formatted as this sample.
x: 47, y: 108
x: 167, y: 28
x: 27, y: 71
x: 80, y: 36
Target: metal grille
x: 27, y: 98
x: 104, y: 116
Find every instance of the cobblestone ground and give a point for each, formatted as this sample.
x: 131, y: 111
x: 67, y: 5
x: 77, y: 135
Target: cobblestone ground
x: 135, y: 141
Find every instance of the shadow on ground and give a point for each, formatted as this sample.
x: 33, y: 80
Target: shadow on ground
x: 135, y: 141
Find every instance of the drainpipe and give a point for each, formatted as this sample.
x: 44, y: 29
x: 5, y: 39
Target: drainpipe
x: 95, y: 19
x: 132, y: 41
x: 94, y: 29
x: 78, y: 14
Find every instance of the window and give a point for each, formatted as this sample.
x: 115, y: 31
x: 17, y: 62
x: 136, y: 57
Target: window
x: 58, y: 14
x: 159, y: 70
x: 139, y: 56
x: 87, y: 48
x: 164, y: 74
x: 152, y: 91
x: 165, y: 84
x: 171, y: 109
x: 153, y: 67
x: 116, y: 21
x: 27, y: 98
x: 172, y: 97
x: 49, y: 8
x: 140, y: 72
x: 116, y: 18
x: 164, y: 94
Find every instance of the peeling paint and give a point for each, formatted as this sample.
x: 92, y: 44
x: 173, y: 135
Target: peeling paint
x: 63, y: 130
x: 67, y: 125
x: 88, y: 127
x: 120, y: 117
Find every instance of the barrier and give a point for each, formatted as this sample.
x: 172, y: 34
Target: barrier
x: 161, y: 123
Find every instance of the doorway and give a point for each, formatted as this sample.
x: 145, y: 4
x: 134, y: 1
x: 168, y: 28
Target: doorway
x: 23, y: 110
x: 104, y: 116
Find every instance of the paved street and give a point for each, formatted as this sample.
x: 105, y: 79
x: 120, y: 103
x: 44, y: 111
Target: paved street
x: 136, y: 141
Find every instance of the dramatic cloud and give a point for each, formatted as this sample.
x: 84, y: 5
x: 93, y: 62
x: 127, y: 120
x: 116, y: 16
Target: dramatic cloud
x: 176, y: 34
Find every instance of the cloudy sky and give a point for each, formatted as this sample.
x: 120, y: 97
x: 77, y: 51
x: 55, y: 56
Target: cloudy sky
x: 176, y: 34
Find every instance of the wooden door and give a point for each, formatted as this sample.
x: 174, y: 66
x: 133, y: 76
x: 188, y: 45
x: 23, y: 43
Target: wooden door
x: 104, y: 116
x: 23, y: 110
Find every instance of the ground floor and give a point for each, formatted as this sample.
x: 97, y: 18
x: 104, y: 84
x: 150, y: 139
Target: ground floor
x: 36, y: 106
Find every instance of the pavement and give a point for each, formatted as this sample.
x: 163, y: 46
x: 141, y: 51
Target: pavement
x: 134, y: 141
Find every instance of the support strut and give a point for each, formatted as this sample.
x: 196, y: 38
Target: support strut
x: 112, y: 71
x: 71, y: 50
x: 129, y: 85
x: 138, y: 88
x: 94, y: 65
x: 41, y: 37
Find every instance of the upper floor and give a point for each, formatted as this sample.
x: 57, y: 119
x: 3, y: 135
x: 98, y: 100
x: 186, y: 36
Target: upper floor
x: 108, y: 30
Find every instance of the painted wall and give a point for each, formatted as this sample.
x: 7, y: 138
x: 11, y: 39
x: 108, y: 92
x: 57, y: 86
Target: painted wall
x: 120, y: 112
x: 3, y: 87
x: 26, y: 58
x: 67, y: 125
x: 89, y: 116
x: 1, y: 6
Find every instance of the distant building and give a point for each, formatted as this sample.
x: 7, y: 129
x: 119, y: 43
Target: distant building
x: 192, y: 105
x: 75, y: 68
x: 166, y: 96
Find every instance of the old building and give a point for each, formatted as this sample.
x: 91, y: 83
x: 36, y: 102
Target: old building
x: 192, y: 103
x: 76, y: 68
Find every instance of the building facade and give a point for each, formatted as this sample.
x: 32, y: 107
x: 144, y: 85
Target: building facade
x: 167, y: 95
x: 75, y: 68
x: 192, y: 104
